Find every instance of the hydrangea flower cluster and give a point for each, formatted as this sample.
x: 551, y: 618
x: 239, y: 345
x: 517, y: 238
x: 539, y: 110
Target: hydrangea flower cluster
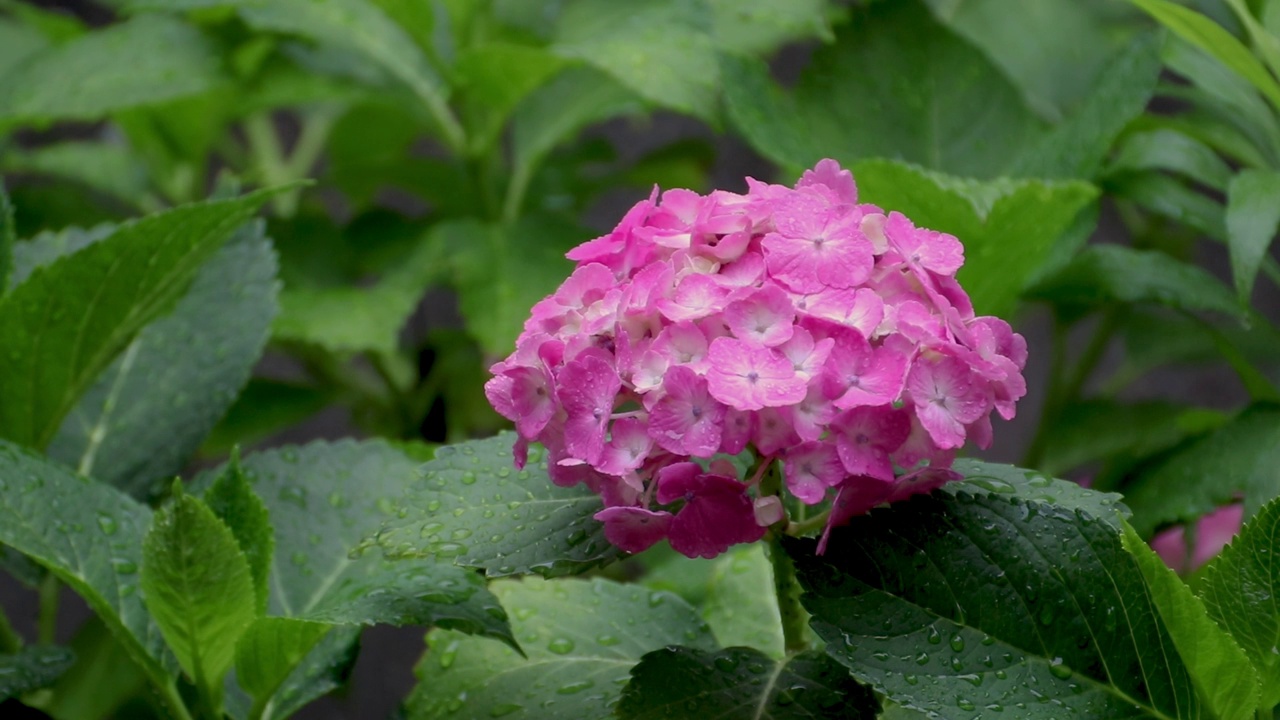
x: 813, y: 329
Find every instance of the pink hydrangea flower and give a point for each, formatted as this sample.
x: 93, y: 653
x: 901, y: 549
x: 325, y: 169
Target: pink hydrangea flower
x: 826, y: 337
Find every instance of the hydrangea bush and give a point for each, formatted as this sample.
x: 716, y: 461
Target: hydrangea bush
x: 793, y: 323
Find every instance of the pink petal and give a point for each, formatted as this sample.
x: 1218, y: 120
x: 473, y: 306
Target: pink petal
x: 634, y: 529
x: 811, y: 468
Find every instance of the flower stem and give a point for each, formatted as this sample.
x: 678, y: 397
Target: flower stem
x: 47, y: 621
x: 808, y: 525
x: 794, y: 618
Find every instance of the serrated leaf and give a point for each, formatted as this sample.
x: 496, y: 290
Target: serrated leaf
x: 270, y: 649
x: 1076, y: 147
x: 323, y: 499
x: 1222, y: 673
x: 1104, y: 274
x: 501, y: 272
x: 581, y: 638
x: 59, y: 342
x: 197, y: 585
x: 32, y: 668
x: 1253, y: 214
x: 48, y: 246
x: 742, y: 682
x: 142, y: 61
x: 89, y: 535
x: 1009, y: 227
x: 1239, y: 458
x: 471, y: 505
x: 112, y: 432
x: 661, y: 49
x: 1214, y: 39
x: 232, y: 499
x: 741, y: 605
x: 1241, y: 591
x: 995, y: 479
x: 956, y: 604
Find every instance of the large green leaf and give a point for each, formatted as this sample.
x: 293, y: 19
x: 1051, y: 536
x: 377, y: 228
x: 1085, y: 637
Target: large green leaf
x: 1076, y: 147
x: 581, y: 639
x: 1252, y: 217
x: 1053, y: 50
x: 323, y: 499
x: 90, y: 536
x: 325, y: 669
x: 472, y: 505
x: 1104, y: 274
x: 758, y: 27
x: 897, y: 84
x: 741, y: 605
x: 767, y: 117
x: 994, y: 479
x: 1227, y: 682
x: 493, y: 78
x: 233, y: 501
x: 500, y: 272
x: 32, y: 668
x: 1009, y: 227
x: 1241, y: 590
x: 66, y: 323
x: 742, y: 682
x: 112, y: 433
x: 962, y: 604
x: 1238, y: 458
x: 661, y: 49
x: 1214, y: 39
x: 143, y: 61
x: 196, y: 583
x: 17, y: 43
x: 7, y: 238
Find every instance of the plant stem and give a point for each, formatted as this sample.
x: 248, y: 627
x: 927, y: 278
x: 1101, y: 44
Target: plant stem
x: 794, y: 618
x: 172, y: 700
x: 10, y: 641
x: 47, y: 622
x: 808, y: 525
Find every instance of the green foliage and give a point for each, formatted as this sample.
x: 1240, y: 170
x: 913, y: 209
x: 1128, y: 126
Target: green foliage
x: 742, y: 682
x: 7, y: 238
x: 124, y: 281
x: 32, y: 668
x: 985, y: 479
x: 233, y: 501
x: 1009, y: 227
x: 1225, y: 679
x: 959, y: 604
x: 270, y: 649
x: 472, y: 506
x: 1252, y: 219
x: 740, y: 604
x: 580, y: 639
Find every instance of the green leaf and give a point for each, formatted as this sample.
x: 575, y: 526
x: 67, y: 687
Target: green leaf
x: 1172, y: 198
x: 112, y: 433
x: 494, y: 78
x: 243, y: 512
x: 1008, y: 227
x: 742, y: 682
x: 1099, y: 429
x: 767, y: 117
x: 32, y: 668
x: 758, y: 27
x: 325, y: 669
x: 1226, y: 680
x: 1241, y: 590
x: 741, y: 605
x: 1212, y: 38
x: 897, y: 84
x: 263, y: 408
x: 1052, y: 50
x: 8, y: 237
x: 197, y: 585
x: 1167, y: 149
x: 270, y: 649
x: 957, y: 604
x: 60, y: 342
x: 17, y: 43
x: 102, y: 679
x: 661, y: 49
x: 985, y: 479
x: 107, y: 168
x: 1238, y: 458
x: 323, y: 499
x: 581, y: 638
x: 472, y: 505
x: 143, y: 61
x: 1252, y: 217
x: 500, y: 273
x: 1104, y: 274
x: 1076, y: 147
x: 89, y: 535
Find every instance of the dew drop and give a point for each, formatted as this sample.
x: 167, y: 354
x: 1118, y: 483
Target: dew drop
x: 560, y: 646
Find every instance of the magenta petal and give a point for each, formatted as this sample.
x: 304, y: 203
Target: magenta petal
x: 634, y: 529
x: 811, y: 468
x: 710, y: 524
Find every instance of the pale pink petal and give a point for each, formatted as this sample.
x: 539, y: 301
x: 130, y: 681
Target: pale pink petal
x: 764, y: 317
x: 812, y: 468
